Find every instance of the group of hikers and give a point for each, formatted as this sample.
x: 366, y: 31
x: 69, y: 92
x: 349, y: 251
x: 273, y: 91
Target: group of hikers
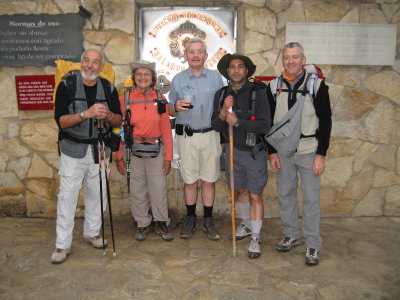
x: 287, y: 121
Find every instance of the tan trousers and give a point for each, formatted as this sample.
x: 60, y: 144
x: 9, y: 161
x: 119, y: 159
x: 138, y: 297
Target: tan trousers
x: 148, y: 180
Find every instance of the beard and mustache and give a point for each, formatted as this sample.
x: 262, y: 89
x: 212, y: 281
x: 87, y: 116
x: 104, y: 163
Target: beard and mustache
x: 87, y: 77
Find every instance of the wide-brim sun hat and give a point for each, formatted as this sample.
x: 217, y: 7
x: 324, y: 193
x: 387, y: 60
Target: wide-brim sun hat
x: 223, y: 64
x: 143, y: 64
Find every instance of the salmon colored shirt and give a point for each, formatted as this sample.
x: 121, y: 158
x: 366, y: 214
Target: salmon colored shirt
x: 147, y: 122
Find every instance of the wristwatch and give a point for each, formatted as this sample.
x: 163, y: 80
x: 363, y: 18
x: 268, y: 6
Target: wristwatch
x: 82, y: 115
x: 236, y: 124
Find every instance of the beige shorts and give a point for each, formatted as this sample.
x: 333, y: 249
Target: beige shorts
x: 199, y: 155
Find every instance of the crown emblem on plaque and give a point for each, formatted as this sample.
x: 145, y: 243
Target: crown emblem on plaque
x: 181, y: 35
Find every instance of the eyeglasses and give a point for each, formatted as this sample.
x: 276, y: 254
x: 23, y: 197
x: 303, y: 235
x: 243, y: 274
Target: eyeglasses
x: 193, y: 52
x: 293, y: 57
x: 143, y: 74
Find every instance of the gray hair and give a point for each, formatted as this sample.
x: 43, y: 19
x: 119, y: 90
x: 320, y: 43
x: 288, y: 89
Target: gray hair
x: 196, y: 40
x: 103, y: 58
x: 295, y: 45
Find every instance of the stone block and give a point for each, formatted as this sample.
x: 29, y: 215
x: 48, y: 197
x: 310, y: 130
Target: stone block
x: 41, y: 187
x: 120, y: 49
x: 338, y: 172
x: 257, y: 3
x: 10, y: 184
x: 371, y: 205
x: 39, y: 206
x: 39, y: 168
x: 3, y: 161
x: 8, y: 96
x: 339, y: 147
x: 335, y: 92
x: 97, y: 37
x: 14, y: 148
x: 295, y: 13
x: 384, y: 156
x: 371, y: 14
x: 116, y: 16
x: 13, y: 130
x: 358, y: 186
x: 380, y: 131
x: 260, y: 20
x: 317, y: 11
x: 13, y: 206
x: 363, y: 154
x: 386, y: 84
x: 41, y: 135
x: 350, y: 129
x: 19, y: 166
x: 352, y: 16
x: 350, y: 76
x: 385, y: 178
x: 278, y: 6
x: 259, y: 42
x: 354, y: 104
x: 392, y: 203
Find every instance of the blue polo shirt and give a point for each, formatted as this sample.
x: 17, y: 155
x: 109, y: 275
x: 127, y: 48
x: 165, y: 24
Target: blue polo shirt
x: 202, y: 89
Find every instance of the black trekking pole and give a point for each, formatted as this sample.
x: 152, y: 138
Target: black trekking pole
x: 108, y: 195
x: 100, y: 156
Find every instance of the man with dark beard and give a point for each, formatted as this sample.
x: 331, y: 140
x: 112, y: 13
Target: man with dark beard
x: 78, y: 113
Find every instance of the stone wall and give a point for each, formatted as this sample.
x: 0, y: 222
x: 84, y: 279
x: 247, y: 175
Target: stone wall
x: 362, y: 176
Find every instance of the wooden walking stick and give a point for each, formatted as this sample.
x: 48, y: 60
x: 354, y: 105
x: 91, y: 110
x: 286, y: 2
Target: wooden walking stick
x: 232, y: 186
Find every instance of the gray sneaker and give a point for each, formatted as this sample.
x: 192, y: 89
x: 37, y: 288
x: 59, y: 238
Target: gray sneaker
x: 242, y: 231
x: 161, y: 229
x: 189, y: 226
x: 208, y: 226
x: 287, y: 243
x: 60, y: 255
x: 141, y: 233
x: 95, y: 241
x: 312, y: 257
x: 254, y: 249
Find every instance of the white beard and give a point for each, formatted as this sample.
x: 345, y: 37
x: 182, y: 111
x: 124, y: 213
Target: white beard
x: 89, y: 78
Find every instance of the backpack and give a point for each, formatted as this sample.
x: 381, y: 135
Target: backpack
x: 314, y: 73
x: 285, y: 135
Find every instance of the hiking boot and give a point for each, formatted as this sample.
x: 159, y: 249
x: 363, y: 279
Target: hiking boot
x: 208, y: 226
x: 60, y: 255
x: 141, y: 233
x: 242, y: 231
x: 161, y: 229
x: 286, y: 244
x: 312, y: 257
x: 95, y: 241
x: 254, y: 249
x: 189, y: 226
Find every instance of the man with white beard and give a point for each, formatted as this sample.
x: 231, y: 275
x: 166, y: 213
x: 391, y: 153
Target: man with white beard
x: 82, y: 102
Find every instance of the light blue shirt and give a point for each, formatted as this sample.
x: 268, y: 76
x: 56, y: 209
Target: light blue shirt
x: 202, y: 89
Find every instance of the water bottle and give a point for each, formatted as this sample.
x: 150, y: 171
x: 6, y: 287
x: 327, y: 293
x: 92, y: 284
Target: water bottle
x: 251, y: 136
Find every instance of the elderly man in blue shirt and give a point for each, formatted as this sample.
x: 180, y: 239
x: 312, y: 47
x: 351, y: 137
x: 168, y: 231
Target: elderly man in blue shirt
x: 191, y: 101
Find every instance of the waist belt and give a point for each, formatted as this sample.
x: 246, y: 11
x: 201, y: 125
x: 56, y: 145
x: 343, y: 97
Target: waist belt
x: 179, y: 129
x: 203, y: 130
x: 92, y: 141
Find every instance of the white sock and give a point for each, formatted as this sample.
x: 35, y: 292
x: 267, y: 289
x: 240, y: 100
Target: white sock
x: 245, y: 213
x: 256, y: 228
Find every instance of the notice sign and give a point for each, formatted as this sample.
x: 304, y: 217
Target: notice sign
x: 39, y: 40
x: 35, y: 92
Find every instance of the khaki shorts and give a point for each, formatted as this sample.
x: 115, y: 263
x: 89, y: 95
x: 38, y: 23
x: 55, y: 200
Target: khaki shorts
x: 199, y: 155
